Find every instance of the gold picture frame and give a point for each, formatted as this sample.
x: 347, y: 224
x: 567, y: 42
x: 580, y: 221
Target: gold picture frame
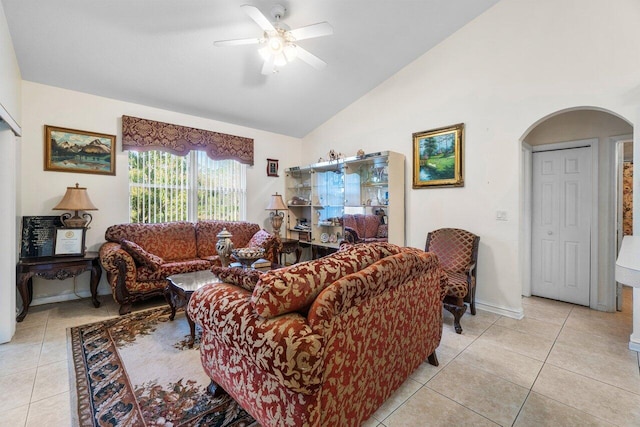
x: 438, y: 157
x: 79, y: 151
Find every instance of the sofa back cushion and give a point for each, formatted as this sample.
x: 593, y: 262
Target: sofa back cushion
x: 171, y: 241
x: 295, y: 288
x: 207, y: 232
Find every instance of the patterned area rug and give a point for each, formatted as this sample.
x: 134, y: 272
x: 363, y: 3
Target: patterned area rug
x: 137, y: 370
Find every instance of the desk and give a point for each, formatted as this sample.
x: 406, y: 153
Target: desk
x: 290, y: 246
x: 55, y: 268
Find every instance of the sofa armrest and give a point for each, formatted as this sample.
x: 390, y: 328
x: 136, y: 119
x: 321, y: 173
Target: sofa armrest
x: 284, y: 346
x: 113, y: 258
x: 109, y: 253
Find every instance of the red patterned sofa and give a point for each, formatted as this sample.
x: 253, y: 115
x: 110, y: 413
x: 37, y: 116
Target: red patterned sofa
x: 139, y: 257
x: 324, y: 342
x: 363, y: 228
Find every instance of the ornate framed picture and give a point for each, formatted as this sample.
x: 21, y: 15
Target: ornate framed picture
x: 437, y: 157
x: 272, y: 167
x: 69, y: 242
x: 70, y: 150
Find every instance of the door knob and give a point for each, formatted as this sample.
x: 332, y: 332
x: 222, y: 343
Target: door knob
x: 549, y: 232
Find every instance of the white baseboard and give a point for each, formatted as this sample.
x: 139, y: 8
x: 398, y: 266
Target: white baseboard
x: 514, y: 314
x: 63, y: 297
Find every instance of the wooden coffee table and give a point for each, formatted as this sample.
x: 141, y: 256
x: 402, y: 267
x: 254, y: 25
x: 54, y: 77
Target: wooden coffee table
x: 179, y: 289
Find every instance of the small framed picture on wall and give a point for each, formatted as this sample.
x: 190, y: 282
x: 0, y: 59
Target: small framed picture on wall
x: 272, y: 167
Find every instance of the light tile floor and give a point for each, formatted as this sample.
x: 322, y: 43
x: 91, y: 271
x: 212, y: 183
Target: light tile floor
x: 561, y: 365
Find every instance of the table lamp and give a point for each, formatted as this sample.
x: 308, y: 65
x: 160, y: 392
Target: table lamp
x: 76, y: 199
x: 276, y: 204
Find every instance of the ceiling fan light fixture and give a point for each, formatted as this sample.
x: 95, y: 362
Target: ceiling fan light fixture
x: 276, y: 44
x: 290, y: 51
x: 264, y: 52
x: 280, y: 60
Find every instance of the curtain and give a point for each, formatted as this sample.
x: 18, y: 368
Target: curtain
x: 144, y: 135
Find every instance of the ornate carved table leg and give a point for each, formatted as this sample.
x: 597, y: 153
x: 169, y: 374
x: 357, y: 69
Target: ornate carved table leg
x: 96, y: 273
x: 170, y: 296
x: 25, y: 287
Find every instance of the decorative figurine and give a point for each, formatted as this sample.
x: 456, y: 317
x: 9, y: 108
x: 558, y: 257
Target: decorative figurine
x: 224, y: 246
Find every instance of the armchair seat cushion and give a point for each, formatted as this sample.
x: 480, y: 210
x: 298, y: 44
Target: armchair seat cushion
x: 457, y: 284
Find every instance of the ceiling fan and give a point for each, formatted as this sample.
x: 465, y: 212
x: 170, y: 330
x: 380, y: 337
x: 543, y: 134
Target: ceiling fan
x: 280, y: 42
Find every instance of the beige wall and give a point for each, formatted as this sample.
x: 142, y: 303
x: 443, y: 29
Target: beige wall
x: 41, y: 190
x: 503, y: 72
x: 10, y: 112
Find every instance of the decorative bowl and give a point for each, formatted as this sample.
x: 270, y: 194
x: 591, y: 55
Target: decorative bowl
x: 247, y: 256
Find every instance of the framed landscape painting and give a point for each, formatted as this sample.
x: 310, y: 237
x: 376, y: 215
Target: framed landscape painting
x: 437, y: 157
x: 69, y: 150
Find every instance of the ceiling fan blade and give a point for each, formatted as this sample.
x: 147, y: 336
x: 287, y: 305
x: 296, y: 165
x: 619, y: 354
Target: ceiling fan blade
x: 237, y: 42
x: 255, y: 14
x: 314, y: 30
x: 310, y: 58
x: 267, y: 68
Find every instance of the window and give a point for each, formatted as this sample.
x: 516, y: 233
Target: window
x: 165, y: 187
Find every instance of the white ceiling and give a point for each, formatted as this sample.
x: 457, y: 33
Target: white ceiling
x: 160, y: 53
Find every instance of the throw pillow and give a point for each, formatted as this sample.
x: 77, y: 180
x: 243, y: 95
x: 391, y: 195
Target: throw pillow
x: 294, y: 288
x: 258, y: 239
x: 141, y: 256
x: 245, y: 278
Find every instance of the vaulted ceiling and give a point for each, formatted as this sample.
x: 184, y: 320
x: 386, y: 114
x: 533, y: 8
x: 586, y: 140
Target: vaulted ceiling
x: 160, y: 53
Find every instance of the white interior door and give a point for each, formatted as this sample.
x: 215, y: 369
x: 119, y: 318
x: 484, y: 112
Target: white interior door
x: 561, y: 225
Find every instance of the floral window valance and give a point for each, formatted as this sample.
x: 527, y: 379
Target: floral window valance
x: 144, y: 135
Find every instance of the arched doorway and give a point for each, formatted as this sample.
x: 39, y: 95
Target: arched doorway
x: 603, y: 132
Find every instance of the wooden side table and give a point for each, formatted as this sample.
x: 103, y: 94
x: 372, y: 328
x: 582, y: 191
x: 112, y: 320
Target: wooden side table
x: 55, y: 268
x: 179, y: 289
x: 290, y: 246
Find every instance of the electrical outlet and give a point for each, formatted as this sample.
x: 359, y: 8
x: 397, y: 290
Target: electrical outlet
x: 501, y: 215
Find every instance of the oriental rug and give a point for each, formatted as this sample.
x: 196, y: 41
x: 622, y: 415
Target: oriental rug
x: 137, y: 370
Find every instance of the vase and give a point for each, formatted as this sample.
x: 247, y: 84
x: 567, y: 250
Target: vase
x: 224, y: 246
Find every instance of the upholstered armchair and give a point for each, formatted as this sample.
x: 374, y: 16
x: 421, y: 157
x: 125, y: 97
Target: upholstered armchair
x: 457, y: 251
x: 364, y: 228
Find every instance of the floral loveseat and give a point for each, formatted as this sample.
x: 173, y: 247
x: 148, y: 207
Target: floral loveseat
x: 139, y: 257
x: 324, y: 342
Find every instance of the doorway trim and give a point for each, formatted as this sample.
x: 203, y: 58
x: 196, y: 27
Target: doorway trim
x: 526, y: 205
x: 617, y: 150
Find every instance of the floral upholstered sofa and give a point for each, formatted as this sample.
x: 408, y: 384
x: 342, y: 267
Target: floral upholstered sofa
x: 324, y: 342
x: 138, y: 257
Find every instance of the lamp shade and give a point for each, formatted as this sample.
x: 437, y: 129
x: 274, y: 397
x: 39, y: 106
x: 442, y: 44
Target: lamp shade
x: 76, y: 199
x: 276, y: 203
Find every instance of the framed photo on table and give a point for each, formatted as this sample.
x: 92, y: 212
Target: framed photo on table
x: 69, y: 242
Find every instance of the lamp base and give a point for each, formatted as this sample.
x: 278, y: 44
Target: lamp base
x: 76, y: 221
x: 276, y: 222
